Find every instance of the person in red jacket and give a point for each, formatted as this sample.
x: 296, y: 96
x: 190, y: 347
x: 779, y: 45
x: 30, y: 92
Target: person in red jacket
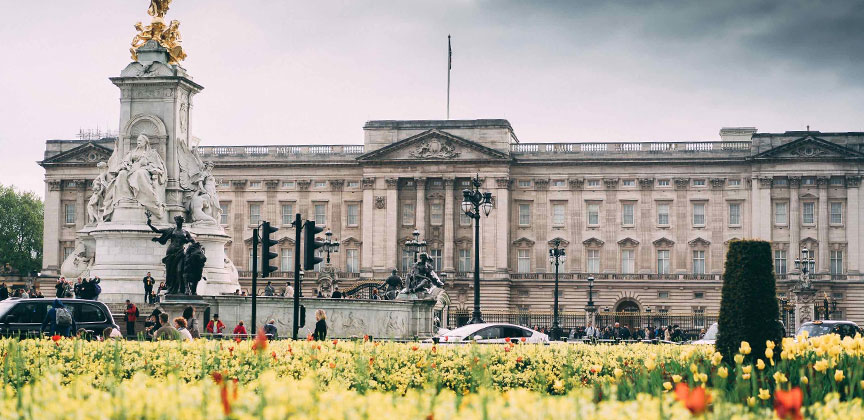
x: 216, y: 327
x: 131, y: 317
x: 240, y: 331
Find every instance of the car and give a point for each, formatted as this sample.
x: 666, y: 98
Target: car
x: 23, y: 317
x: 710, y: 336
x: 842, y: 328
x: 491, y: 333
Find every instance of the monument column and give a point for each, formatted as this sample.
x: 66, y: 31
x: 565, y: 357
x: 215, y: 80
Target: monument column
x: 822, y: 226
x: 420, y: 207
x: 448, y: 225
x: 392, y: 223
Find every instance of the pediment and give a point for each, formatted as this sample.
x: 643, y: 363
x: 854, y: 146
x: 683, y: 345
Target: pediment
x: 87, y: 153
x: 808, y: 196
x: 433, y: 146
x: 663, y: 243
x: 286, y: 241
x: 593, y: 242
x: 561, y: 242
x: 810, y: 148
x: 628, y: 242
x: 351, y: 241
x: 809, y: 240
x: 523, y: 241
x: 699, y: 242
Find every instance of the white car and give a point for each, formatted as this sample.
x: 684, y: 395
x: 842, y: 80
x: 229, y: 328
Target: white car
x: 492, y: 333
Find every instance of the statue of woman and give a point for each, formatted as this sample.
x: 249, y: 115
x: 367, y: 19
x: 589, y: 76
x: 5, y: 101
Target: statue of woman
x: 176, y: 238
x: 141, y: 177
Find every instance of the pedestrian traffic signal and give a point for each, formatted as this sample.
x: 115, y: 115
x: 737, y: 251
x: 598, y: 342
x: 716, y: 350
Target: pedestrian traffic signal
x: 266, y: 253
x: 310, y: 245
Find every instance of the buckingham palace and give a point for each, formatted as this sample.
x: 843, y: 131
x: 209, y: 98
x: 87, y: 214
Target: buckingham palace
x: 649, y: 221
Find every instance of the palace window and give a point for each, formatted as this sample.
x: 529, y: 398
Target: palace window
x: 69, y: 213
x: 628, y: 261
x: 320, y: 184
x: 628, y: 182
x: 699, y: 262
x: 837, y: 181
x: 662, y: 182
x: 524, y: 214
x: 559, y: 211
x: 353, y: 184
x: 734, y: 214
x: 698, y: 182
x: 464, y: 220
x: 593, y: 182
x: 698, y: 214
x: 663, y: 214
x: 808, y: 213
x: 663, y: 295
x: 223, y: 218
x: 353, y: 214
x: 524, y: 183
x: 436, y: 214
x: 734, y: 182
x: 593, y: 215
x: 435, y: 255
x: 558, y: 183
x: 808, y: 180
x: 287, y: 213
x: 319, y: 253
x: 287, y: 259
x: 836, y: 213
x: 781, y: 182
x: 663, y: 262
x: 251, y: 259
x: 781, y: 214
x: 254, y: 184
x: 352, y: 260
x: 836, y: 262
x: 627, y: 214
x: 779, y: 261
x: 593, y: 261
x: 320, y: 214
x: 465, y: 261
x: 523, y: 261
x: 254, y: 213
x: 288, y: 184
x: 408, y: 214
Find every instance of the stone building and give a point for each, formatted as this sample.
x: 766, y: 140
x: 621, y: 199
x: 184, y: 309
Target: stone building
x: 650, y: 221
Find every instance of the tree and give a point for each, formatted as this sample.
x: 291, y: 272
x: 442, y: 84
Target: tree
x: 21, y: 224
x: 748, y: 309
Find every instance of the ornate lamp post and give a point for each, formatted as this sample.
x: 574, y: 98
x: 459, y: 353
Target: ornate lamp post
x: 557, y: 256
x: 330, y: 245
x: 472, y: 202
x: 591, y: 293
x: 807, y: 264
x: 415, y: 245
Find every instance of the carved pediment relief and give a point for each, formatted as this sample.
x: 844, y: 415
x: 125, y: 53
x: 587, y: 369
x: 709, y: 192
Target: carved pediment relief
x: 463, y: 241
x: 87, y: 153
x: 810, y: 147
x: 563, y: 243
x: 434, y: 145
x: 351, y: 241
x: 663, y: 243
x: 808, y: 196
x: 523, y: 242
x: 699, y: 242
x: 628, y: 242
x: 809, y: 241
x: 434, y: 149
x: 286, y: 241
x: 592, y: 242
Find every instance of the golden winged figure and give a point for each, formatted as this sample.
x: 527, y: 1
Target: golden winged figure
x: 158, y: 8
x: 168, y: 36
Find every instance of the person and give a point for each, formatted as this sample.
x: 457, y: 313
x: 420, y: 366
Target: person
x: 97, y: 289
x: 677, y: 334
x: 240, y: 330
x: 24, y: 294
x: 702, y: 333
x: 77, y: 288
x: 216, y: 327
x: 110, y: 333
x: 180, y: 324
x: 153, y: 298
x: 625, y: 332
x: 647, y: 334
x: 392, y: 286
x: 667, y: 333
x: 82, y: 334
x: 4, y: 291
x: 58, y: 320
x: 269, y: 290
x: 191, y: 322
x: 375, y: 295
x: 591, y: 332
x: 131, y: 316
x: 149, y: 325
x: 166, y: 331
x: 237, y: 292
x: 289, y: 290
x: 148, y: 286
x: 320, y: 333
x: 270, y: 329
x: 60, y: 287
x: 336, y: 293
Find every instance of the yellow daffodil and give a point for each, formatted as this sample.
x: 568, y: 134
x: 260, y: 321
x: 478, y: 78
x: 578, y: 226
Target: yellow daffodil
x: 764, y: 394
x: 780, y: 377
x: 716, y: 358
x: 751, y: 401
x: 745, y: 376
x: 821, y: 366
x: 744, y: 348
x: 722, y: 372
x: 739, y: 358
x: 650, y: 364
x: 804, y: 380
x: 667, y: 386
x: 617, y: 372
x: 676, y: 378
x: 838, y: 375
x: 769, y: 344
x: 760, y: 364
x: 747, y: 369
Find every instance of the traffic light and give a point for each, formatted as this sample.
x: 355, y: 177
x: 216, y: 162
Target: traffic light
x: 310, y: 245
x: 266, y: 253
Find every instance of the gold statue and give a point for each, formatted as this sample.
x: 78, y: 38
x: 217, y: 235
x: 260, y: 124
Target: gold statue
x: 168, y: 36
x: 158, y: 8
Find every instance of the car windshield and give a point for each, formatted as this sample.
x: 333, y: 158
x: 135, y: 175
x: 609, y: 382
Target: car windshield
x: 5, y: 306
x: 462, y: 331
x: 711, y: 334
x: 815, y: 330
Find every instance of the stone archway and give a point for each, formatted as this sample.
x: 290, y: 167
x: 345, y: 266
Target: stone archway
x: 628, y: 312
x: 627, y: 305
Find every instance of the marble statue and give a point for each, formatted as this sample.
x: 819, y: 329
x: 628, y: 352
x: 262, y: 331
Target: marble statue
x: 199, y: 208
x: 196, y: 179
x: 140, y: 177
x: 176, y: 238
x: 95, y: 209
x: 77, y: 263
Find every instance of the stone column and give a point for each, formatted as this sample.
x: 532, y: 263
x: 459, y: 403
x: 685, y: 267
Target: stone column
x: 488, y: 234
x: 577, y: 226
x: 448, y: 224
x: 392, y: 223
x: 794, y: 215
x: 51, y: 255
x: 420, y: 207
x: 853, y: 224
x: 502, y: 216
x: 367, y: 221
x: 822, y: 226
x: 336, y: 223
x: 681, y: 225
x: 762, y: 205
x: 81, y: 203
x: 540, y: 225
x: 610, y: 260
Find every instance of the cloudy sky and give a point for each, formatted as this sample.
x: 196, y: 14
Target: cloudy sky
x: 306, y: 72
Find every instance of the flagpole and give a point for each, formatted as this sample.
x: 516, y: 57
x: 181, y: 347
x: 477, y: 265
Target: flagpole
x: 449, y: 66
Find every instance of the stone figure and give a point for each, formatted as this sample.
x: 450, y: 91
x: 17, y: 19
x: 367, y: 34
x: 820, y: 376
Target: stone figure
x: 392, y: 286
x: 423, y: 278
x: 193, y: 267
x: 140, y: 177
x: 158, y: 8
x: 77, y: 263
x: 168, y: 36
x: 199, y: 208
x: 196, y: 177
x: 176, y: 238
x: 95, y: 210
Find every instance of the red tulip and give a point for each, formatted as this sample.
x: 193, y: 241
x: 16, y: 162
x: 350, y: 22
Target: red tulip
x: 260, y: 341
x: 787, y: 404
x: 56, y: 338
x: 695, y: 400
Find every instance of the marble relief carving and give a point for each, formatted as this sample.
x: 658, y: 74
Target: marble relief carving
x: 434, y: 149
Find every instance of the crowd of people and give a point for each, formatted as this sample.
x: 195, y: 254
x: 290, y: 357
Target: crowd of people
x: 22, y: 293
x: 624, y: 332
x: 83, y: 288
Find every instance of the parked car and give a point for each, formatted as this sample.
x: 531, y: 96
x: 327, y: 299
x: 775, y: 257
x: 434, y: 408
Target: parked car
x: 23, y: 317
x: 842, y: 328
x: 710, y: 336
x: 491, y: 333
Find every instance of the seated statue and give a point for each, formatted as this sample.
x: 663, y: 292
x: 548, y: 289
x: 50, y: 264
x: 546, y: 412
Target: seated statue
x: 392, y: 286
x: 423, y: 278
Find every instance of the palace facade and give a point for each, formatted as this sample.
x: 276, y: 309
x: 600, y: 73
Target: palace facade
x: 650, y: 221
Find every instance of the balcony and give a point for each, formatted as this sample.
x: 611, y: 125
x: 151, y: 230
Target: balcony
x: 632, y: 149
x: 283, y: 152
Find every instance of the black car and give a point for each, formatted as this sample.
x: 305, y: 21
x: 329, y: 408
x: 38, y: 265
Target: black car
x: 23, y: 317
x: 841, y: 328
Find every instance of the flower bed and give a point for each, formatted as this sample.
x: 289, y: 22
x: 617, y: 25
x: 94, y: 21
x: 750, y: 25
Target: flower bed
x: 819, y: 378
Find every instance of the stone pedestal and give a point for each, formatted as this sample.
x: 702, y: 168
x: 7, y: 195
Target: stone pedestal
x: 174, y: 305
x: 805, y: 307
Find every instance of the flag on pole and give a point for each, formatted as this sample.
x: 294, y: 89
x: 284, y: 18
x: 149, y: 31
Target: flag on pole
x: 449, y: 54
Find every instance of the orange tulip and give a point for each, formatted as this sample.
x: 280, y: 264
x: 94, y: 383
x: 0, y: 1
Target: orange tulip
x: 694, y: 399
x: 260, y: 341
x: 787, y: 404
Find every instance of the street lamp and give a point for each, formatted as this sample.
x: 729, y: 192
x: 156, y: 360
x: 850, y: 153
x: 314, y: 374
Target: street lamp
x: 472, y: 202
x: 415, y: 245
x: 807, y: 264
x: 330, y: 245
x: 557, y: 256
x: 591, y: 293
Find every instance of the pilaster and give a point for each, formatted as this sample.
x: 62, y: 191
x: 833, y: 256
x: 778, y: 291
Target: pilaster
x: 502, y: 217
x: 367, y: 220
x: 822, y: 226
x: 448, y: 224
x: 794, y: 215
x: 855, y: 220
x: 392, y: 223
x: 420, y: 207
